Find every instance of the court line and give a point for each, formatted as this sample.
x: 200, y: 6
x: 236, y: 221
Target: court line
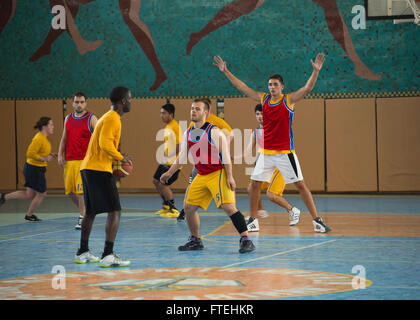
x: 55, y: 231
x: 279, y: 253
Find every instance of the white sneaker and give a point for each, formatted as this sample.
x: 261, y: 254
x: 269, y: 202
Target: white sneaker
x: 253, y: 226
x: 79, y: 223
x: 320, y: 226
x: 294, y: 216
x: 262, y: 213
x: 86, y: 257
x: 113, y: 260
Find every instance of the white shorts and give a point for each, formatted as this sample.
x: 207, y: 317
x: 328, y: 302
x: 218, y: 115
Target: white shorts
x: 287, y: 163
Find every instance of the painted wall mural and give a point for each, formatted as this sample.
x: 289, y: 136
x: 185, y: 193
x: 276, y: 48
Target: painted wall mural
x: 165, y: 48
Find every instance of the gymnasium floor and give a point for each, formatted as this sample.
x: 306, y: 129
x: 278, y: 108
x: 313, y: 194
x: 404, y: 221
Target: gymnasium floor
x: 372, y: 253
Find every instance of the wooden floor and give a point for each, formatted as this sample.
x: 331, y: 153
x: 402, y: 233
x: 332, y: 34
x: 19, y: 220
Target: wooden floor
x: 372, y: 252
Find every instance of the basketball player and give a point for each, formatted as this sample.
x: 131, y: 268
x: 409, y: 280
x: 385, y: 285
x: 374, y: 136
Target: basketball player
x: 276, y: 185
x: 227, y: 130
x: 171, y: 138
x: 38, y: 155
x: 78, y: 128
x: 279, y: 149
x: 210, y: 152
x: 100, y: 190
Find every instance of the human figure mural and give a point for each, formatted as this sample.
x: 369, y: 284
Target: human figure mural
x: 130, y: 10
x: 83, y: 46
x: 7, y: 11
x: 335, y: 23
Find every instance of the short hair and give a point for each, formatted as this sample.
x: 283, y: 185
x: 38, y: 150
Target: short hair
x: 117, y: 94
x: 277, y: 77
x: 258, y: 107
x: 79, y: 94
x: 170, y: 108
x: 205, y: 101
x: 43, y: 121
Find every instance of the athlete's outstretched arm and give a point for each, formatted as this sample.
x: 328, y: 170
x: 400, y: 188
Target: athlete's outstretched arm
x: 310, y: 84
x: 239, y: 84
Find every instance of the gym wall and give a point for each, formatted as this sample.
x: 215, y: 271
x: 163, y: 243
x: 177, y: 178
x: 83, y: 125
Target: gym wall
x: 344, y: 145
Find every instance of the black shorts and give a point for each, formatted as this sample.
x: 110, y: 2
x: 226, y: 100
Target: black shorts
x: 100, y: 192
x: 161, y: 169
x: 35, y: 177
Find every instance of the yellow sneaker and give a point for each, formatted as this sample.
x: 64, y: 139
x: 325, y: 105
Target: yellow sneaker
x: 165, y: 209
x: 173, y: 213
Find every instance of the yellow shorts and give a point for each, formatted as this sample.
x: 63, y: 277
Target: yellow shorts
x: 276, y: 184
x: 72, y: 178
x: 210, y: 186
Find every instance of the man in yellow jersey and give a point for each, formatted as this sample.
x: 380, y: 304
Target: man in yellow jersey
x: 208, y: 147
x: 171, y: 140
x: 279, y: 150
x: 226, y: 129
x: 100, y: 191
x: 276, y: 185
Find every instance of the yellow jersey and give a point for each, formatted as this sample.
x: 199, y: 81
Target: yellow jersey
x: 103, y: 145
x: 171, y: 140
x: 39, y: 147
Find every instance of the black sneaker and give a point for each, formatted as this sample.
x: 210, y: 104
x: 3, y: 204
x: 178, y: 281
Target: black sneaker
x: 181, y: 216
x: 32, y: 218
x: 320, y: 226
x: 193, y: 244
x: 2, y: 198
x: 246, y: 245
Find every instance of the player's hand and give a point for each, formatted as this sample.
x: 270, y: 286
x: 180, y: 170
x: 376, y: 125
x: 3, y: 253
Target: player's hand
x: 128, y: 159
x: 61, y: 161
x: 218, y: 61
x: 319, y: 61
x: 165, y: 177
x: 231, y: 183
x: 47, y: 158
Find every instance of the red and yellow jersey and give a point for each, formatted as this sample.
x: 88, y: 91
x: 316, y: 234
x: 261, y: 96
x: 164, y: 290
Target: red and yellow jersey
x: 78, y: 131
x: 218, y: 122
x: 206, y: 157
x: 277, y: 124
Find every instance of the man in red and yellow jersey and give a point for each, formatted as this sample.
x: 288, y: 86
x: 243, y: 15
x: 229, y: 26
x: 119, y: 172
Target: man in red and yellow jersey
x: 276, y: 185
x: 222, y: 125
x: 78, y: 128
x: 279, y: 148
x: 210, y: 152
x: 99, y: 187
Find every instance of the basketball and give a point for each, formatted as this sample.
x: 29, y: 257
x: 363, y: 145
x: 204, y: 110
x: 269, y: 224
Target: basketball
x: 122, y: 169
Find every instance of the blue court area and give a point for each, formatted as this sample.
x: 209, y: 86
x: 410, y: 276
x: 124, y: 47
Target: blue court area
x: 306, y: 266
